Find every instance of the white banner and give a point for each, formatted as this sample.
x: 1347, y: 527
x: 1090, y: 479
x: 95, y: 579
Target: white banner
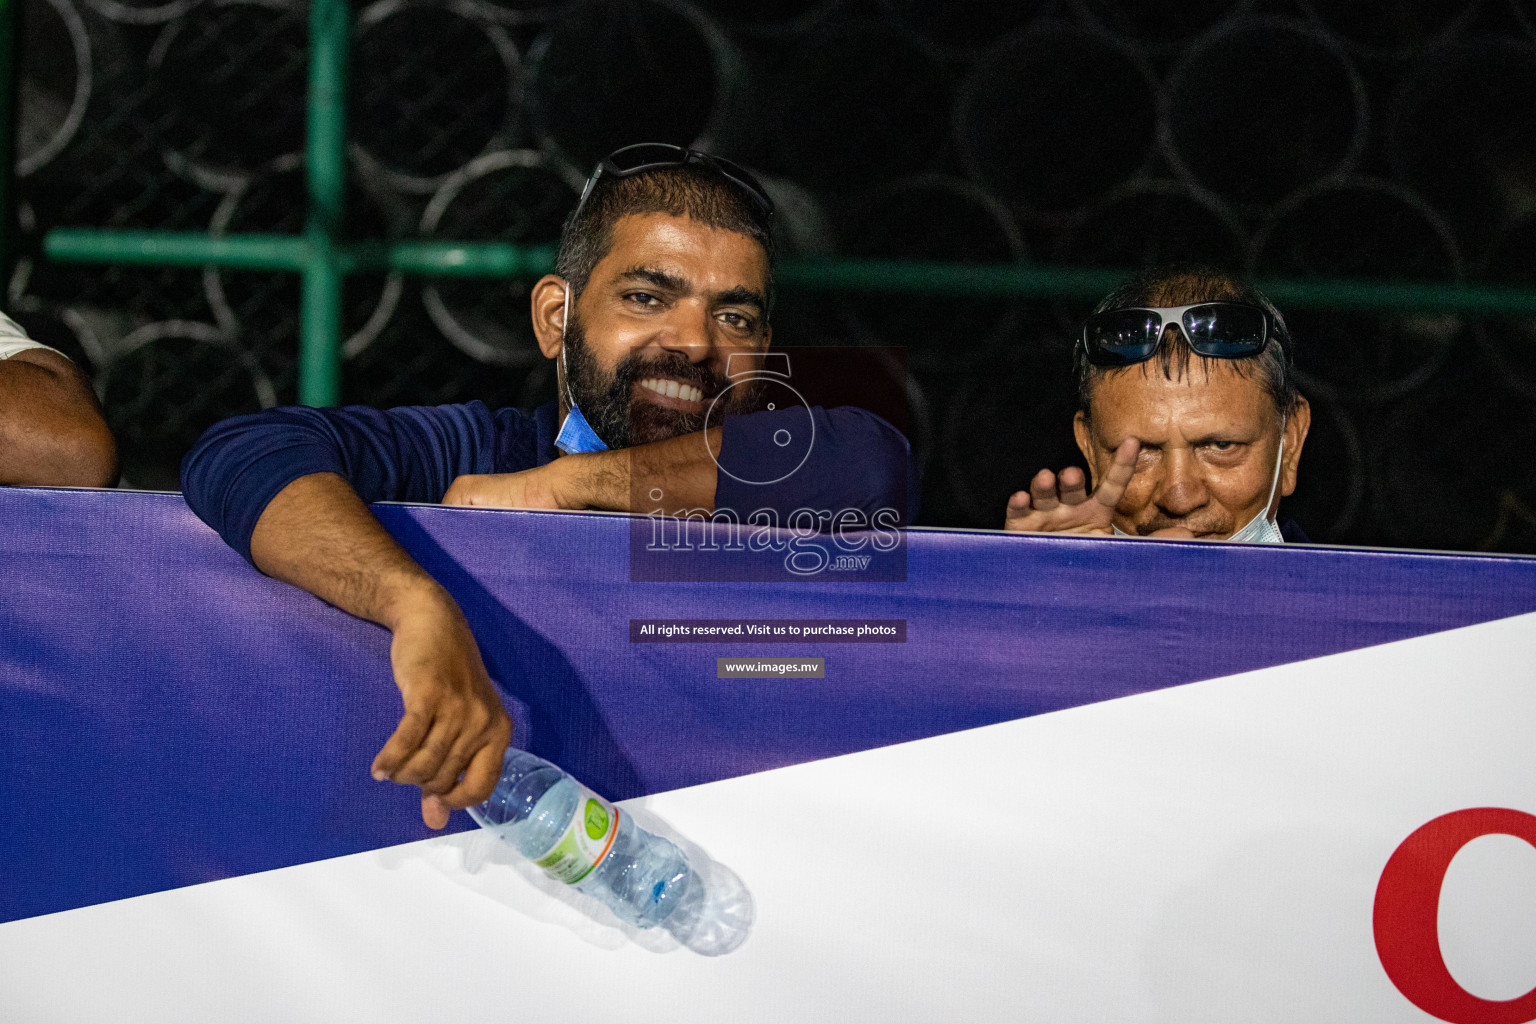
x: 1211, y: 852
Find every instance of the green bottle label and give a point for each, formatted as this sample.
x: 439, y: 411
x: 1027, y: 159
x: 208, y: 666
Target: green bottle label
x: 586, y: 840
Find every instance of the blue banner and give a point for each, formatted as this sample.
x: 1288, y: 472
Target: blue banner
x: 168, y: 716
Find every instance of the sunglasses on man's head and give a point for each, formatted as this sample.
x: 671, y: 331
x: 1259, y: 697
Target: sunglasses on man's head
x: 655, y: 156
x: 1220, y: 330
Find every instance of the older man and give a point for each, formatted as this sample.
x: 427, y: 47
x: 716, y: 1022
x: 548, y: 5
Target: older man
x: 1188, y: 416
x: 663, y: 284
x: 51, y: 430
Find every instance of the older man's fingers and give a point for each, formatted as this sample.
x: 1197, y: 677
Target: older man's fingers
x: 1042, y: 491
x: 1019, y: 515
x: 1074, y: 486
x: 1112, y: 488
x: 1017, y: 512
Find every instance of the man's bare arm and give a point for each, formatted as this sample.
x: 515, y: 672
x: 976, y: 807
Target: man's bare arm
x: 318, y: 535
x: 51, y: 428
x: 677, y: 475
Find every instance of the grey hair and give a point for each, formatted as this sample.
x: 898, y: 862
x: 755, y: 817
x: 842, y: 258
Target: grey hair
x: 691, y: 190
x: 1274, y: 368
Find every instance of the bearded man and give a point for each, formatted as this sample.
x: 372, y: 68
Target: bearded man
x: 663, y: 287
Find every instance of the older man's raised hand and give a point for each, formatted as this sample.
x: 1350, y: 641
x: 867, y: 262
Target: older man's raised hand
x: 1061, y: 503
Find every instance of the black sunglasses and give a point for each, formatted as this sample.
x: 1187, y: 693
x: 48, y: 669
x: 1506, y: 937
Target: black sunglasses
x: 652, y: 156
x: 1220, y: 330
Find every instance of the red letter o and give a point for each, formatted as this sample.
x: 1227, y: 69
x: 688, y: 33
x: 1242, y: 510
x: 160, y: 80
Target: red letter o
x: 1408, y: 913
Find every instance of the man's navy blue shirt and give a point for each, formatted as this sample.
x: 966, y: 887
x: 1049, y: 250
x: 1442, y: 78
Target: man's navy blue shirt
x: 858, y: 461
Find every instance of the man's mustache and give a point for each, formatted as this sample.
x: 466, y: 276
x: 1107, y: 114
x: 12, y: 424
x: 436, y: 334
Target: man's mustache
x: 1193, y: 524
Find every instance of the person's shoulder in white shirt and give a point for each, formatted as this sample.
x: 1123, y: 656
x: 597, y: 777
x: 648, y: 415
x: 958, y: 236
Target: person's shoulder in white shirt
x: 51, y: 428
x: 13, y: 340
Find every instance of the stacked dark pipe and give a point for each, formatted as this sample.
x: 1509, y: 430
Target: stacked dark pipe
x: 1285, y: 138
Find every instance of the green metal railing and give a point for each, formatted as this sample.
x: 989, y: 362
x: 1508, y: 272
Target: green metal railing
x: 325, y: 163
x: 323, y: 260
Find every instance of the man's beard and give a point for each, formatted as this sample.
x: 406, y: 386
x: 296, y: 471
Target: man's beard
x: 608, y: 400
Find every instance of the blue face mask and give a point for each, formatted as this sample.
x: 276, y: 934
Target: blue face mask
x: 576, y: 434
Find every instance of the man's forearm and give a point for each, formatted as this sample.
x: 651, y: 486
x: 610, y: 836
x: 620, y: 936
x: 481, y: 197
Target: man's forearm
x: 51, y: 430
x: 676, y: 476
x: 319, y: 536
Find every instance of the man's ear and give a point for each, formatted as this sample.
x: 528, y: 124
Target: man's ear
x: 548, y: 309
x: 1295, y: 436
x: 1084, y: 436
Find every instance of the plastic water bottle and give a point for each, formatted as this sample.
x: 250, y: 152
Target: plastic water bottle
x: 579, y: 838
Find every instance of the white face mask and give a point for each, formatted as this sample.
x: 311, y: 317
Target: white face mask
x: 1261, y: 529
